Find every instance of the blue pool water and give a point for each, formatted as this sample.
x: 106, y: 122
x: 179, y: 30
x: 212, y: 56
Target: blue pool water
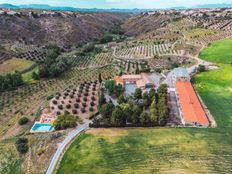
x: 43, y: 127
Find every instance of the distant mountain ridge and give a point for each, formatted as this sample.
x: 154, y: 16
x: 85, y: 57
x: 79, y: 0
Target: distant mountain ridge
x: 63, y: 8
x: 48, y: 7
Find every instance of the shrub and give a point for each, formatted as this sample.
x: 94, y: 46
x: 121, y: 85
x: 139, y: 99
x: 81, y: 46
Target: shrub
x: 58, y: 113
x: 93, y: 98
x: 78, y: 100
x: 85, y: 99
x: 64, y: 97
x: 92, y: 104
x: 68, y: 106
x: 94, y: 89
x: 21, y: 145
x: 91, y: 109
x: 66, y: 93
x: 201, y: 68
x: 23, y: 120
x: 71, y: 96
x: 74, y: 111
x: 86, y: 94
x: 93, y: 93
x: 54, y: 102
x: 84, y: 105
x: 57, y: 97
x: 60, y: 107
x: 76, y: 105
x: 83, y: 110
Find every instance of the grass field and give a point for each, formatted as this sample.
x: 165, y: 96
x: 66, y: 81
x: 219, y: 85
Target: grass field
x: 27, y: 77
x: 10, y: 161
x: 13, y: 65
x: 167, y: 150
x: 219, y: 52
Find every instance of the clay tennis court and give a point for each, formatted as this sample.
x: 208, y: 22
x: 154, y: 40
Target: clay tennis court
x: 192, y: 109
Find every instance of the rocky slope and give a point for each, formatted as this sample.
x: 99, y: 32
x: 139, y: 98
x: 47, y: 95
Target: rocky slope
x: 58, y: 29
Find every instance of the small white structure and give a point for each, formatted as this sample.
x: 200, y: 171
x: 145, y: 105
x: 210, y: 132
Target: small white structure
x: 11, y: 13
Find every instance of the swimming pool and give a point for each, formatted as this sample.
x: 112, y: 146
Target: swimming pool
x: 40, y: 127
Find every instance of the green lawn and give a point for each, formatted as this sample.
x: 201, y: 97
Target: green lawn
x: 219, y: 52
x: 166, y: 150
x: 27, y: 77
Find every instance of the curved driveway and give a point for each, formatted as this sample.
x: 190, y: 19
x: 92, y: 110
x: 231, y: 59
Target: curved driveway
x: 62, y: 146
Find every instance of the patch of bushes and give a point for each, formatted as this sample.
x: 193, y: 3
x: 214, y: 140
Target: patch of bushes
x: 22, y: 145
x: 23, y: 120
x: 10, y: 81
x: 65, y: 121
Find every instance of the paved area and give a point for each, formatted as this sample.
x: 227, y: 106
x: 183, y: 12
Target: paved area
x: 62, y: 146
x: 156, y: 79
x: 109, y: 98
x: 174, y: 117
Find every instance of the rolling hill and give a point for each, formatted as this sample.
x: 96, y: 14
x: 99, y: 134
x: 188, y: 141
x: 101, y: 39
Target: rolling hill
x: 58, y: 29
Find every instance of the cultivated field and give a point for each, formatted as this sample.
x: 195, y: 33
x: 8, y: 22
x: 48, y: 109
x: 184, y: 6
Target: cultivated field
x: 13, y: 65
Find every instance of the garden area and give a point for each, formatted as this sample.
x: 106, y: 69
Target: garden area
x: 146, y: 109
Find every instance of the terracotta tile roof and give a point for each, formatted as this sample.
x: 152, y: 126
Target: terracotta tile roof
x: 191, y: 106
x: 131, y: 76
x: 118, y: 80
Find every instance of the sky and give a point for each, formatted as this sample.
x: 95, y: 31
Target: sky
x: 126, y: 4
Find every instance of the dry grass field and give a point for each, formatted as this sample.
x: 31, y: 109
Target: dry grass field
x: 13, y: 65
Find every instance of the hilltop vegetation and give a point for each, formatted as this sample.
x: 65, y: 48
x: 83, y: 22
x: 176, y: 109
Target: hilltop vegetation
x: 74, y: 29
